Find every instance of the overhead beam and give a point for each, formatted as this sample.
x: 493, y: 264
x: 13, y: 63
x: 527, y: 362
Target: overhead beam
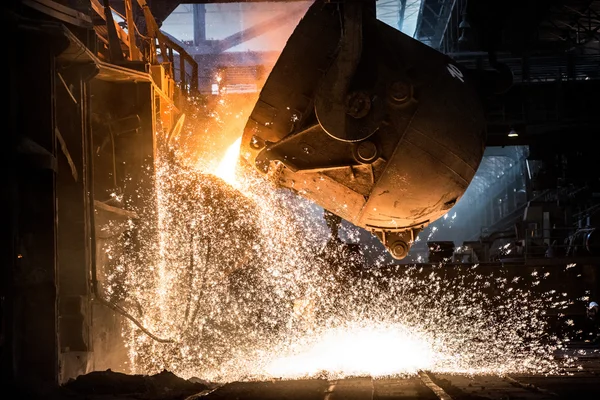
x: 227, y: 1
x: 256, y: 30
x: 161, y: 9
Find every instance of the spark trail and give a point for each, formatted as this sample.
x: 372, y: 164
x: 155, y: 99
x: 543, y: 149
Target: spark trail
x: 238, y: 279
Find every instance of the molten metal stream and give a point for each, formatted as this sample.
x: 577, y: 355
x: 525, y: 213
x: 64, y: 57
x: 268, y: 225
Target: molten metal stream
x: 228, y: 165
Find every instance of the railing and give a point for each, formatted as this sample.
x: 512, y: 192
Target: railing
x: 152, y: 47
x: 538, y: 69
x: 167, y: 48
x: 557, y: 242
x: 188, y: 82
x: 540, y: 243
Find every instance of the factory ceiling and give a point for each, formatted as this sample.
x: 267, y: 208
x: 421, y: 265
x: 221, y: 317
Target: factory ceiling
x: 516, y: 26
x: 530, y: 25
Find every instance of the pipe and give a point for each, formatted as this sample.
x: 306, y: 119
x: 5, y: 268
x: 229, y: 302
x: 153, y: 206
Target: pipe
x: 91, y: 220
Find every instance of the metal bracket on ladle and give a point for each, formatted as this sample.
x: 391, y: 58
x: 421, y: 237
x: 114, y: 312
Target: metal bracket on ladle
x: 398, y: 242
x: 346, y: 115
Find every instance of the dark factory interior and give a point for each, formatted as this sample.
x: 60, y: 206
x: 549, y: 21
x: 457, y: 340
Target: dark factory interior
x: 301, y: 199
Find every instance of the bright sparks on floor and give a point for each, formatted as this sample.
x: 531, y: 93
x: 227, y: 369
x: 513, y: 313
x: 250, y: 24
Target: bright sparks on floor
x: 227, y: 167
x: 376, y: 350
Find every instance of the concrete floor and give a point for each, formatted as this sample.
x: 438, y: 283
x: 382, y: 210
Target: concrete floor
x: 582, y: 383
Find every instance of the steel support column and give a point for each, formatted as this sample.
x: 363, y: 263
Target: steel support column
x: 32, y: 330
x: 199, y: 24
x: 72, y: 122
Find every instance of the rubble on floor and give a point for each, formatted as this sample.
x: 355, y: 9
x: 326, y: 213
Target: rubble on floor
x: 110, y: 385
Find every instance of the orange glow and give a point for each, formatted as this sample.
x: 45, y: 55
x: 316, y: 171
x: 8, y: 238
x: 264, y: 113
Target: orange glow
x: 228, y: 165
x: 377, y: 350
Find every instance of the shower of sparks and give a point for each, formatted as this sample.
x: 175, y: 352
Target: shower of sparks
x: 236, y: 278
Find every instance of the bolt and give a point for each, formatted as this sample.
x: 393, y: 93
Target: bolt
x: 399, y: 91
x: 358, y: 104
x: 366, y: 151
x: 399, y: 249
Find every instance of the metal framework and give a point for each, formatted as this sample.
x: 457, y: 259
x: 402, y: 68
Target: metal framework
x: 392, y: 12
x: 575, y: 23
x: 491, y: 169
x: 560, y: 25
x: 438, y: 23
